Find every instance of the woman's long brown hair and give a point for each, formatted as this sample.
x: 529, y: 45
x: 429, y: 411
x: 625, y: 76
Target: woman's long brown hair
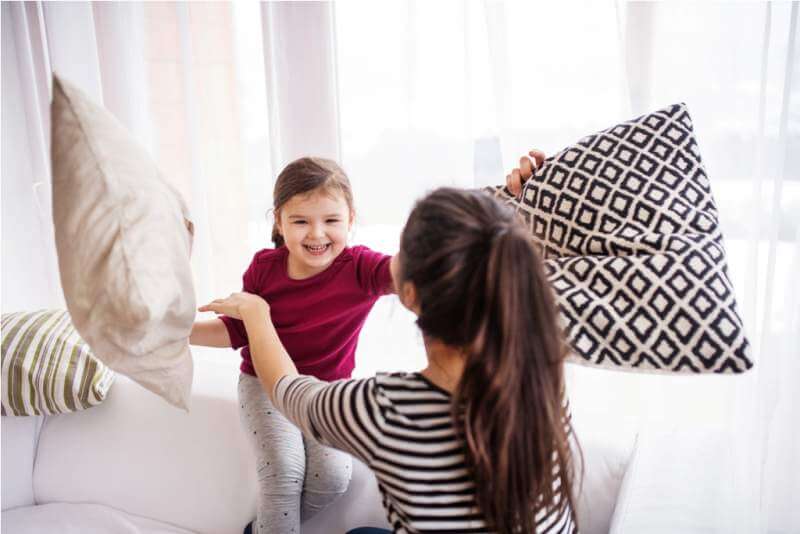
x: 481, y: 287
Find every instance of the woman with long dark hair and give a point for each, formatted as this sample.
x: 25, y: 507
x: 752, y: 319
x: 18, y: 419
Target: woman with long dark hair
x: 479, y: 441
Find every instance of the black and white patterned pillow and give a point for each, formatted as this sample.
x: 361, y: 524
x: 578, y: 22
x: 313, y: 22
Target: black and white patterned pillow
x: 630, y: 235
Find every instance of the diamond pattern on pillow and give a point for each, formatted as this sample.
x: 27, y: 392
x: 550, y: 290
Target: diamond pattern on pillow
x: 629, y: 231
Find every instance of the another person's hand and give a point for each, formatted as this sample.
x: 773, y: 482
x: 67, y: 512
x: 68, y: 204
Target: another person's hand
x: 268, y: 354
x: 527, y: 166
x: 237, y: 305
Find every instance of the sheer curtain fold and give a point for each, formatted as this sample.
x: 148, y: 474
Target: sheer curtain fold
x: 167, y: 71
x: 299, y: 56
x: 119, y: 32
x: 25, y: 24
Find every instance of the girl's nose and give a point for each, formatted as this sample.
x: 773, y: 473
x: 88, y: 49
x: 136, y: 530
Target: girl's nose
x: 317, y: 230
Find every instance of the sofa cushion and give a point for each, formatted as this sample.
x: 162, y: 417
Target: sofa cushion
x: 19, y: 438
x: 84, y: 518
x: 629, y: 229
x: 47, y: 367
x: 123, y: 237
x: 136, y: 454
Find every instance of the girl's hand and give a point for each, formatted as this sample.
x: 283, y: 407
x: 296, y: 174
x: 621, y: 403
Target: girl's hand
x: 237, y: 305
x: 517, y: 177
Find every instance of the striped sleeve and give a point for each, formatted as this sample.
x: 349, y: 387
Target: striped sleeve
x: 342, y: 414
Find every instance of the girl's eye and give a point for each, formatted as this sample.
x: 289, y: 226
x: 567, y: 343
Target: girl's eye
x: 331, y: 221
x: 299, y: 222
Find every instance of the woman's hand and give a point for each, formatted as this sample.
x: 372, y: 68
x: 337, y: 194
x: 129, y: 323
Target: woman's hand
x: 266, y: 350
x: 517, y: 177
x: 237, y: 305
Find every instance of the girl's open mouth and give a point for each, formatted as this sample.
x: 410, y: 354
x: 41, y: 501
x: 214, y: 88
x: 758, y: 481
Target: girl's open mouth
x: 317, y: 250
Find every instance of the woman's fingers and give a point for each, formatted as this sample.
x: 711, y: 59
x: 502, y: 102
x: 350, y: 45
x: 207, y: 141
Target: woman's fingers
x: 514, y: 182
x: 517, y: 178
x: 538, y: 156
x: 525, y: 167
x: 211, y: 306
x: 510, y: 183
x: 233, y: 305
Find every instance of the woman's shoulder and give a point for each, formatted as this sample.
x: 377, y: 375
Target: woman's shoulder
x: 407, y: 384
x: 397, y: 377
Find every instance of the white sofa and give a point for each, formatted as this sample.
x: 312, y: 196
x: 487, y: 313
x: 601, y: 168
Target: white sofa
x: 136, y: 464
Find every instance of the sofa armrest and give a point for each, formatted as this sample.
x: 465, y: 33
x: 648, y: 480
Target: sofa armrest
x: 685, y: 480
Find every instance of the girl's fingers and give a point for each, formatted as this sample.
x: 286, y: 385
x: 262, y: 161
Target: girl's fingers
x: 510, y: 184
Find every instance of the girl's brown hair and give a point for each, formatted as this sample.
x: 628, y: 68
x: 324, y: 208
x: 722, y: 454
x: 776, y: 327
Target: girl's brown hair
x: 304, y: 176
x: 481, y: 287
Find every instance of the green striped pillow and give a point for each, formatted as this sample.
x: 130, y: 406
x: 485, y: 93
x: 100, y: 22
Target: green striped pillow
x: 47, y: 367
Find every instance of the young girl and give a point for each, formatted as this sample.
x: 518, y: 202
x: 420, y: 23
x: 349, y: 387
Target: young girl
x: 320, y: 292
x: 480, y: 440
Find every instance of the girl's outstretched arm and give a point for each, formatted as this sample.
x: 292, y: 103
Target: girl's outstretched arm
x: 270, y: 358
x: 210, y: 333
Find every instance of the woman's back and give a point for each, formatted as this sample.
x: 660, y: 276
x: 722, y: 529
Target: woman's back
x: 401, y: 426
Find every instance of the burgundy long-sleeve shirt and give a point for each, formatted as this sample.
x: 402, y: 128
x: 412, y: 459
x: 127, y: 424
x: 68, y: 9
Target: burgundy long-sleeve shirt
x: 318, y: 319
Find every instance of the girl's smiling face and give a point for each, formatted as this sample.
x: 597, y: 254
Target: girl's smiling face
x: 314, y: 227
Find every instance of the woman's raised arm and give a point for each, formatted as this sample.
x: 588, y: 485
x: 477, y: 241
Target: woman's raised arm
x: 266, y: 350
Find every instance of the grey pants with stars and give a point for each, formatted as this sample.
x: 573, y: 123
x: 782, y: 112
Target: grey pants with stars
x: 297, y: 476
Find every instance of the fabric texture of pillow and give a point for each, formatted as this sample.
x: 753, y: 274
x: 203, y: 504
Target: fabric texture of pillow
x: 629, y: 231
x: 47, y: 367
x: 124, y: 239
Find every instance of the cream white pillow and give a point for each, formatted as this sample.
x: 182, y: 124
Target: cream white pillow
x: 124, y: 238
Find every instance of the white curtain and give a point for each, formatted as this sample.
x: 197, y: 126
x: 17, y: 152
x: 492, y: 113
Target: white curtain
x: 411, y: 95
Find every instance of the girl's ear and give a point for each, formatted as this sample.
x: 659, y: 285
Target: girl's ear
x: 276, y: 215
x: 352, y: 218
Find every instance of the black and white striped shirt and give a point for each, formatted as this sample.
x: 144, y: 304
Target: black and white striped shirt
x: 399, y: 424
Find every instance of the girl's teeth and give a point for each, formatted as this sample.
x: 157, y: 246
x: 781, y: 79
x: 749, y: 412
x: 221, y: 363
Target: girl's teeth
x: 316, y: 250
